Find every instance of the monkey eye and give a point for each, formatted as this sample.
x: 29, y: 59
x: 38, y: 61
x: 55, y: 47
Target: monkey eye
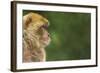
x: 45, y: 27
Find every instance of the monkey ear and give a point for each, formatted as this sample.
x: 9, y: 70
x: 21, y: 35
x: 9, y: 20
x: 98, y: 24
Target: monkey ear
x: 26, y: 21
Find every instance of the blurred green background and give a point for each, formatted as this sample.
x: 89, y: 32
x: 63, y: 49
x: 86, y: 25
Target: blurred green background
x: 70, y: 35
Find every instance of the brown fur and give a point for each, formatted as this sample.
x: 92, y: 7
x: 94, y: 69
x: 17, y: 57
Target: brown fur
x: 35, y: 37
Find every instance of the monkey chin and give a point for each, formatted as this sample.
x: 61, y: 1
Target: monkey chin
x: 45, y: 43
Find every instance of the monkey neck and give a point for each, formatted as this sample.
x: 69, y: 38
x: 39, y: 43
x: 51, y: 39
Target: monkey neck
x: 37, y: 53
x: 40, y: 55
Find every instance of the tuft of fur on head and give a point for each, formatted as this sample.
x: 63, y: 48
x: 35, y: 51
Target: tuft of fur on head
x: 35, y: 37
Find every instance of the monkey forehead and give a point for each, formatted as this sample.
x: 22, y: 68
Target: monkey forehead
x: 37, y: 17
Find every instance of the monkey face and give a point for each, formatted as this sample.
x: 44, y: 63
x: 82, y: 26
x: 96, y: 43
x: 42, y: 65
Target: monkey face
x: 44, y: 36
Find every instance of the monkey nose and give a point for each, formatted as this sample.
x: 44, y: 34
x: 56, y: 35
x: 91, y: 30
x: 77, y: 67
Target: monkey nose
x: 48, y: 35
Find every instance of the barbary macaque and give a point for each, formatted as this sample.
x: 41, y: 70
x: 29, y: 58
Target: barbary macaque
x: 35, y: 37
